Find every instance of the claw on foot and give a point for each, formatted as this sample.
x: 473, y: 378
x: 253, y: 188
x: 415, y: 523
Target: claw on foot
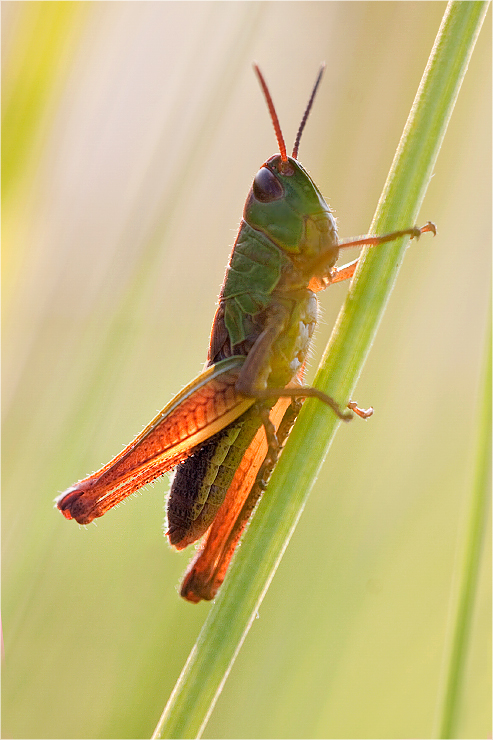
x: 428, y: 227
x: 363, y: 413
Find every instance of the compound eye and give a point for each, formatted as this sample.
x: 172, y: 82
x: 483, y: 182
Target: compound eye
x: 266, y: 186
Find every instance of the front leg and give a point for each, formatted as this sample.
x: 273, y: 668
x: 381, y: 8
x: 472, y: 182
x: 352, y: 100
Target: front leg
x: 345, y: 272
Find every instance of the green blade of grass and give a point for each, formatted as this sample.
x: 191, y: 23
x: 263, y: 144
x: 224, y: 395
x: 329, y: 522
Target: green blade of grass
x: 229, y: 620
x: 467, y: 571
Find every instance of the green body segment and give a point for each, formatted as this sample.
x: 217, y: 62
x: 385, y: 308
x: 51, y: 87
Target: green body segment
x: 254, y: 271
x: 266, y: 312
x: 276, y: 240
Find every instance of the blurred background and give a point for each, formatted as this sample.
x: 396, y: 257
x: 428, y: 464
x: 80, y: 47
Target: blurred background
x: 131, y: 134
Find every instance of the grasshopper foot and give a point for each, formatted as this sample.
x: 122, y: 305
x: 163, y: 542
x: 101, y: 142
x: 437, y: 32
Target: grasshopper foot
x: 363, y: 413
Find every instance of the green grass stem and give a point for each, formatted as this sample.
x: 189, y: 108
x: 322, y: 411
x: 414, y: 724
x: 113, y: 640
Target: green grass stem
x: 470, y: 547
x: 234, y: 610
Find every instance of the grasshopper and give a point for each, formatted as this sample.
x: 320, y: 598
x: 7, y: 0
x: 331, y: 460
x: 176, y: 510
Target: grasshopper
x: 223, y: 432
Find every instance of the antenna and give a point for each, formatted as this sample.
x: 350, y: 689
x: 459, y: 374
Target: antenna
x: 307, y: 112
x: 273, y: 114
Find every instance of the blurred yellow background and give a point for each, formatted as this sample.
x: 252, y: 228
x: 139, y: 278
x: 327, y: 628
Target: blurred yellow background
x: 131, y: 134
